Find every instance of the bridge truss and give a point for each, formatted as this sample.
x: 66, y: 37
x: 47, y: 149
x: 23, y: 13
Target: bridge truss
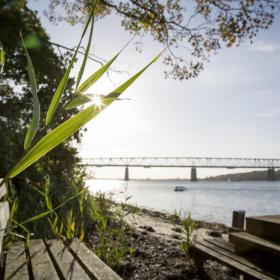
x: 197, y: 162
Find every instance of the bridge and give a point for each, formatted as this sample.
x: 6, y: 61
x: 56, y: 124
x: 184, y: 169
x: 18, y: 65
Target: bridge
x: 186, y: 162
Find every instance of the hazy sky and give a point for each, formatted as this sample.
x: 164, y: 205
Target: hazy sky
x: 231, y: 110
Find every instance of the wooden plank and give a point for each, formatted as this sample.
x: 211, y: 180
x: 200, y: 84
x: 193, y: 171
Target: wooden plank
x: 42, y: 266
x: 264, y: 226
x: 223, y: 245
x: 4, y: 217
x: 244, y: 241
x: 3, y: 189
x: 243, y: 269
x: 16, y: 263
x: 65, y: 262
x: 95, y: 267
x: 225, y: 252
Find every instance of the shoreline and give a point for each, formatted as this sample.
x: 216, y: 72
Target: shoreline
x: 155, y: 217
x: 159, y: 254
x: 155, y: 242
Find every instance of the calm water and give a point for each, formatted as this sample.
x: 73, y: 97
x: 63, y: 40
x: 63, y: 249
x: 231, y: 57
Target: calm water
x: 211, y: 201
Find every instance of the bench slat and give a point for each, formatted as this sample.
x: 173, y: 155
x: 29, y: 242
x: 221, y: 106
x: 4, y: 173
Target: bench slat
x: 16, y: 264
x: 209, y: 244
x: 221, y: 243
x: 244, y: 241
x: 95, y: 267
x: 247, y: 271
x: 42, y: 266
x: 66, y: 263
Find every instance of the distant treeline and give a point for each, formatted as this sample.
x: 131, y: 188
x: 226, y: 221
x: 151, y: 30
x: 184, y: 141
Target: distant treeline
x: 248, y: 176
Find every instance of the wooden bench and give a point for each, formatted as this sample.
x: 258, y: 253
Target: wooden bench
x: 247, y: 253
x: 49, y: 259
x: 223, y: 252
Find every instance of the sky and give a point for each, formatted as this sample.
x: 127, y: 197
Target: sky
x: 231, y: 110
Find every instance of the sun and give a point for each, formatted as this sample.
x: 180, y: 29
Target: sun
x: 96, y: 100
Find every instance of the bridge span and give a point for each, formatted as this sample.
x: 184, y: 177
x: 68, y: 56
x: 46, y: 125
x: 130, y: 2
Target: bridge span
x: 186, y: 162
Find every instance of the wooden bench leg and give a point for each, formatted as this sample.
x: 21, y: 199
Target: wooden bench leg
x: 198, y: 265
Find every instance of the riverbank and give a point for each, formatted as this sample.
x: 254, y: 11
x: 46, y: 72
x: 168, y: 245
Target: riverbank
x: 157, y: 242
x: 159, y: 247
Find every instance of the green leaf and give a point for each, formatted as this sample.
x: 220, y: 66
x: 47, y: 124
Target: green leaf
x: 99, y: 73
x: 85, y: 98
x: 79, y: 100
x: 2, y: 60
x: 63, y: 83
x: 34, y: 125
x: 95, y: 76
x: 66, y: 129
x: 119, y: 90
x: 55, y: 137
x: 81, y: 72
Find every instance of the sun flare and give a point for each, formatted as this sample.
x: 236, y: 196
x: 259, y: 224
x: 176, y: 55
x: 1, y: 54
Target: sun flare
x: 97, y: 101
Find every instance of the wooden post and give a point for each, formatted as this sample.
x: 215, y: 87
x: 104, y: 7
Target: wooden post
x: 238, y: 219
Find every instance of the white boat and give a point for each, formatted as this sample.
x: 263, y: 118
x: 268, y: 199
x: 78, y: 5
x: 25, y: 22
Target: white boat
x: 180, y: 189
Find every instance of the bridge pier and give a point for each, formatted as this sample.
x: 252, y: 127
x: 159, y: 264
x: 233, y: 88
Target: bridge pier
x: 271, y: 175
x: 193, y: 174
x: 126, y: 174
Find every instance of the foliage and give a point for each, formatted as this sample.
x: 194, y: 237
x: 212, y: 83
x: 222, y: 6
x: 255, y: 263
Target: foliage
x: 189, y: 234
x: 52, y: 135
x: 192, y: 30
x: 176, y: 217
x: 60, y: 167
x: 111, y: 230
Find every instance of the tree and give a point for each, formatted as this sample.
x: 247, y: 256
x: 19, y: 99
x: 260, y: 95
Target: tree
x: 58, y: 170
x: 191, y: 30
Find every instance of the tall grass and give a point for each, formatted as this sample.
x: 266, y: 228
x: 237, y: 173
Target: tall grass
x: 189, y: 234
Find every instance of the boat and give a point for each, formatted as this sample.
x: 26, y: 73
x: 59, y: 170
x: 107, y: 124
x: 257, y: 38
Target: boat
x: 180, y: 189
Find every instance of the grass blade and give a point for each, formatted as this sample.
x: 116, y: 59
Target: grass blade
x: 44, y: 214
x: 79, y: 100
x: 99, y: 73
x: 86, y: 98
x: 35, y: 121
x: 81, y: 72
x: 63, y: 83
x: 54, y: 138
x: 2, y: 60
x: 66, y: 129
x: 95, y: 76
x: 119, y: 90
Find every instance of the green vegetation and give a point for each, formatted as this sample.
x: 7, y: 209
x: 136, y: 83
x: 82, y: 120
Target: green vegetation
x: 176, y: 217
x: 246, y: 176
x: 59, y: 169
x: 189, y: 234
x: 112, y: 238
x: 46, y: 187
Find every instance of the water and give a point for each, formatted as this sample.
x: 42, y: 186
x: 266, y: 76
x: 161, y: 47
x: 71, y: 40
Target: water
x: 210, y: 201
